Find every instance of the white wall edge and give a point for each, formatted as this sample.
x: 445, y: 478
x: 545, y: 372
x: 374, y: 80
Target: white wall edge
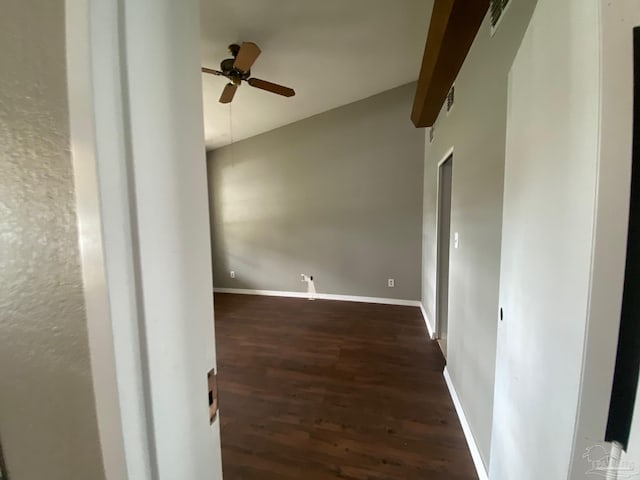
x: 84, y: 157
x: 606, y: 282
x: 466, y: 428
x: 321, y: 296
x: 432, y: 334
x: 446, y: 156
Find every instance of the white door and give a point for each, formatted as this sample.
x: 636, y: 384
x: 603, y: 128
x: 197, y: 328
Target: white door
x: 549, y: 201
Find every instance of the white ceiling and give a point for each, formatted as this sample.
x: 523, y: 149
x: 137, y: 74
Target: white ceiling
x: 332, y: 52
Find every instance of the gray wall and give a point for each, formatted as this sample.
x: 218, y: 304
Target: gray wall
x: 337, y: 196
x: 476, y: 129
x: 48, y: 425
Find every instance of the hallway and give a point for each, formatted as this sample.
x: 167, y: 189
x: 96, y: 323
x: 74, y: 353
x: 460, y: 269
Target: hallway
x: 323, y: 389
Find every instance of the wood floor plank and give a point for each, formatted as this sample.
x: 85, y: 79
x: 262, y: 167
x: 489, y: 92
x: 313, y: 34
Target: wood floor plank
x: 319, y: 390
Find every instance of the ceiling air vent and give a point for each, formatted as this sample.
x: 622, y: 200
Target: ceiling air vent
x: 450, y: 98
x: 497, y: 9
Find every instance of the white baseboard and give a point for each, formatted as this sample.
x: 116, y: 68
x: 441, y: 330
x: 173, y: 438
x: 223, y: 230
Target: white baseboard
x: 471, y: 442
x: 320, y: 296
x: 432, y: 334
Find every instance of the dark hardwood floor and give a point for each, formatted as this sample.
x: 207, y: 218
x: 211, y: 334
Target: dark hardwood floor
x: 315, y: 390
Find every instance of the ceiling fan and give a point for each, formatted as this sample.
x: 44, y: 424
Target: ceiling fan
x: 238, y: 69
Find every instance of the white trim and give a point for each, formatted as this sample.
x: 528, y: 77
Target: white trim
x: 80, y: 41
x: 468, y: 434
x: 432, y: 335
x: 266, y: 293
x: 321, y: 296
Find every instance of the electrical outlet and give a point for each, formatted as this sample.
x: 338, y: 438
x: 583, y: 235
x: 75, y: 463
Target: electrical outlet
x: 232, y: 274
x: 303, y: 278
x: 391, y: 283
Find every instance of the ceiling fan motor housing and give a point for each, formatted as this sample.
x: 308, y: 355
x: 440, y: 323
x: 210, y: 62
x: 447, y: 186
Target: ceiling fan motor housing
x: 233, y: 73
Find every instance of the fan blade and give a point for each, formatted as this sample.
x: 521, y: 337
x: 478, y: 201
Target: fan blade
x: 271, y: 87
x: 211, y: 71
x: 228, y: 93
x: 248, y: 54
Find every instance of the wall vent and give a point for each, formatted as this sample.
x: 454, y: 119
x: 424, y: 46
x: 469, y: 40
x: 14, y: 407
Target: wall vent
x: 497, y: 9
x: 450, y: 98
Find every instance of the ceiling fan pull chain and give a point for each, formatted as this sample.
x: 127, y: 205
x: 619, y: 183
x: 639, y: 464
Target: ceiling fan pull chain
x: 231, y: 136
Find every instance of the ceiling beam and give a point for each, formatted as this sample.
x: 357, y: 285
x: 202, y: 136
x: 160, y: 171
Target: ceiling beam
x: 454, y: 25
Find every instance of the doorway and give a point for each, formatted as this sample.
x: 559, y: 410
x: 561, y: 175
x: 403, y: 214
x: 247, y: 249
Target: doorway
x: 445, y: 175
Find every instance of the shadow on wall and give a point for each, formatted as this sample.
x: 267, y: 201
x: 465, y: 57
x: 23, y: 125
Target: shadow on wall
x: 337, y: 196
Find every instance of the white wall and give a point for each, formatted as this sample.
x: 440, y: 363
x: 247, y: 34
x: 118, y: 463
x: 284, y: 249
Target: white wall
x: 553, y: 390
x: 170, y: 180
x: 551, y: 181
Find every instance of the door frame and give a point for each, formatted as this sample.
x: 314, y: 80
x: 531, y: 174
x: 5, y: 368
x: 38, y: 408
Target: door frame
x: 438, y: 327
x: 150, y: 385
x: 83, y: 35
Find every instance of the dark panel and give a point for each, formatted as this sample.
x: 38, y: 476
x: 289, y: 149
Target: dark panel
x: 625, y: 382
x: 3, y: 468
